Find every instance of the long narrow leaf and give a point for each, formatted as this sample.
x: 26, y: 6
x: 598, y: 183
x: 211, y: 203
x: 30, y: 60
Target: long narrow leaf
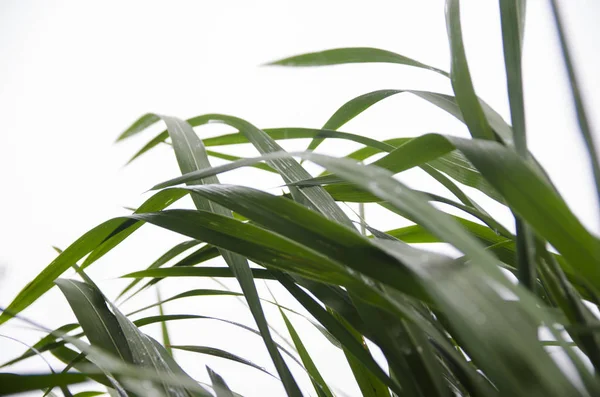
x: 352, y: 55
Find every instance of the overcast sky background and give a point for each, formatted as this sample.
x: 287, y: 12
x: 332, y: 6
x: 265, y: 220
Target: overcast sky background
x: 74, y: 74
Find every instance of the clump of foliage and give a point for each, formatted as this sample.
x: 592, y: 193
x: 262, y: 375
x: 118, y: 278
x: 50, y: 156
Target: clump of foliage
x: 446, y: 326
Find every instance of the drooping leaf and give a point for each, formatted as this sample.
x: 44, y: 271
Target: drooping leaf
x: 357, y: 105
x: 211, y: 351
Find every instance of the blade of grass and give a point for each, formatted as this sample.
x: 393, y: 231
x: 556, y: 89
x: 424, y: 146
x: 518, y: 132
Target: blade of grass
x: 461, y: 77
x: 315, y: 376
x: 196, y: 272
x: 212, y: 351
x: 352, y: 55
x: 163, y: 325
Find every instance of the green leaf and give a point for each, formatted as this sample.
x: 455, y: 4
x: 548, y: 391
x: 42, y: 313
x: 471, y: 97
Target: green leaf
x: 163, y: 325
x: 255, y: 243
x: 219, y: 385
x: 196, y: 272
x: 212, y: 351
x: 356, y: 106
x: 139, y: 125
x: 563, y: 293
x: 352, y: 55
x: 429, y: 149
x: 13, y: 383
x: 154, y: 203
x: 68, y: 356
x: 338, y: 330
x: 229, y: 157
x: 99, y: 324
x: 288, y: 168
x: 174, y: 377
x: 187, y: 294
x: 316, y: 378
x: 350, y: 193
x: 334, y: 241
x: 172, y: 317
x: 146, y: 351
x: 461, y: 77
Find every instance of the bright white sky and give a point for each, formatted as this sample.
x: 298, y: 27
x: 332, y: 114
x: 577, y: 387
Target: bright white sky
x: 74, y: 74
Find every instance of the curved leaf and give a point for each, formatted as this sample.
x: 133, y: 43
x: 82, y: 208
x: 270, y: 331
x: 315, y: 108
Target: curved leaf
x: 99, y: 324
x: 352, y: 55
x: 212, y: 351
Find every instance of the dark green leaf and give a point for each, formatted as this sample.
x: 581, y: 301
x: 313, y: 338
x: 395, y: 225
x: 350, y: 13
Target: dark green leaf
x: 316, y: 378
x: 13, y: 383
x: 99, y: 324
